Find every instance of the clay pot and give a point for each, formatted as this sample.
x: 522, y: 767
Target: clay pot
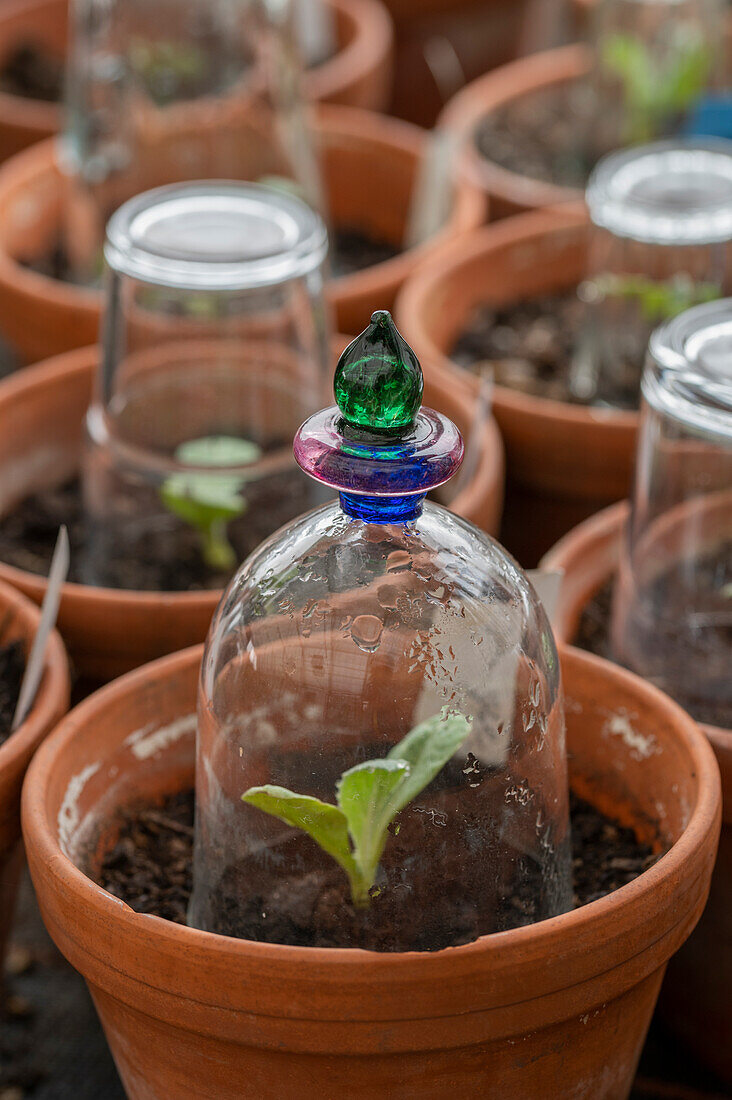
x: 111, y: 631
x: 564, y: 461
x: 19, y: 619
x: 442, y: 43
x: 363, y: 155
x: 696, y: 995
x: 358, y: 74
x: 508, y: 192
x: 192, y: 1014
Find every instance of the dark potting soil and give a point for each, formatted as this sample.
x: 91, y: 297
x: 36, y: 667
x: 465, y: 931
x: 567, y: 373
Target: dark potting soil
x: 149, y: 866
x: 33, y: 72
x: 537, y: 136
x: 593, y: 634
x: 12, y: 667
x: 166, y: 560
x: 529, y: 346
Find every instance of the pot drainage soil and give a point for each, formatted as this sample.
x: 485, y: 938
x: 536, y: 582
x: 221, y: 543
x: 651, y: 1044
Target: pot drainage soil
x: 12, y: 667
x: 148, y: 864
x: 536, y: 136
x: 529, y: 346
x: 168, y: 560
x: 593, y: 634
x: 32, y: 72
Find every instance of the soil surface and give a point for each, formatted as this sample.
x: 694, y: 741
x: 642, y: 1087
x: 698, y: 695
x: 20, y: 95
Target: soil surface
x: 529, y: 346
x: 593, y: 635
x: 537, y: 136
x: 166, y: 560
x: 149, y: 866
x: 12, y: 667
x: 32, y: 72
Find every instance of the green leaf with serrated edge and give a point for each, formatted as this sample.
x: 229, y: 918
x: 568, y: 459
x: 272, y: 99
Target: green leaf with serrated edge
x: 326, y: 824
x: 427, y: 748
x: 365, y: 795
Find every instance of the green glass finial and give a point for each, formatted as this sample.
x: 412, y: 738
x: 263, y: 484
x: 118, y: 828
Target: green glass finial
x: 378, y: 381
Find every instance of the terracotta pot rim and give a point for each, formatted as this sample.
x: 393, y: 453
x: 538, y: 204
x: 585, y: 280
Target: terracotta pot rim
x: 352, y: 124
x: 52, y: 695
x: 355, y: 965
x: 502, y: 85
x: 449, y: 257
x: 370, y: 40
x: 597, y: 528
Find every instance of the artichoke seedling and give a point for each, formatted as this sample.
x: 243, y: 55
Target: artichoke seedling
x: 208, y: 501
x: 369, y: 796
x: 656, y: 92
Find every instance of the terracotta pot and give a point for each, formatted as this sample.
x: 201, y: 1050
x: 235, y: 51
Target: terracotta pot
x: 564, y: 461
x: 358, y: 74
x: 191, y: 1014
x: 19, y: 619
x: 696, y: 997
x: 442, y: 43
x: 509, y: 192
x: 110, y: 631
x: 363, y: 155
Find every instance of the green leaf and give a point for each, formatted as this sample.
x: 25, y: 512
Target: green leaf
x: 326, y: 824
x: 366, y: 797
x: 427, y: 748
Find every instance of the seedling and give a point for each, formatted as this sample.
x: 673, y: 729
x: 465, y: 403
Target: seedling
x: 169, y: 70
x: 656, y: 92
x: 369, y: 796
x: 208, y: 501
x: 658, y: 301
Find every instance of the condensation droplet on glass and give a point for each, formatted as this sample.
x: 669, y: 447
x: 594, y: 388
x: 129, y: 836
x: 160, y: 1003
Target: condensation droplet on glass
x: 366, y: 632
x: 529, y: 721
x: 388, y: 595
x: 398, y: 559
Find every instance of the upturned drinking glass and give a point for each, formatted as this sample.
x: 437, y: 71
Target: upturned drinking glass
x: 214, y: 348
x: 661, y: 224
x: 174, y: 90
x: 672, y: 616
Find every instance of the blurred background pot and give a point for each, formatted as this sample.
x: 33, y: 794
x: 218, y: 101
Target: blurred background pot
x: 564, y: 461
x: 528, y: 78
x: 695, y: 999
x: 33, y: 50
x: 19, y: 619
x: 111, y: 631
x: 363, y: 155
x: 192, y: 1013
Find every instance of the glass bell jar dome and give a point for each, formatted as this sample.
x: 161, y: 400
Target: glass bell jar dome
x: 381, y: 757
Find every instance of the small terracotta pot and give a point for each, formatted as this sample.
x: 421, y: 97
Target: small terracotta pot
x: 564, y: 461
x: 363, y: 155
x: 111, y: 631
x: 442, y: 43
x: 359, y: 73
x: 19, y: 619
x: 696, y: 995
x: 509, y: 192
x: 192, y: 1014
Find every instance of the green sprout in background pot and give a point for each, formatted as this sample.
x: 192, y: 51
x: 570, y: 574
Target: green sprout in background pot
x: 657, y: 92
x: 658, y: 300
x: 354, y: 832
x: 208, y: 501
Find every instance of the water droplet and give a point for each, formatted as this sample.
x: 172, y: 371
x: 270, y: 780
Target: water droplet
x: 398, y: 559
x: 388, y: 595
x: 366, y: 632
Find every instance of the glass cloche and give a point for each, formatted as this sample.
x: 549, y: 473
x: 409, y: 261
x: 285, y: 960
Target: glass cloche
x: 381, y: 759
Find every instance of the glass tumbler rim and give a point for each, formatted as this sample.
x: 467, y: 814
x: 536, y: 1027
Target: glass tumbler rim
x: 620, y: 199
x: 203, y: 236
x: 684, y: 379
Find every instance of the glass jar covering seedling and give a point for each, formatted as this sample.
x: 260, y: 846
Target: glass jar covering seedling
x: 672, y: 615
x: 173, y: 90
x: 215, y: 347
x: 661, y: 226
x: 380, y: 757
x: 655, y: 60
